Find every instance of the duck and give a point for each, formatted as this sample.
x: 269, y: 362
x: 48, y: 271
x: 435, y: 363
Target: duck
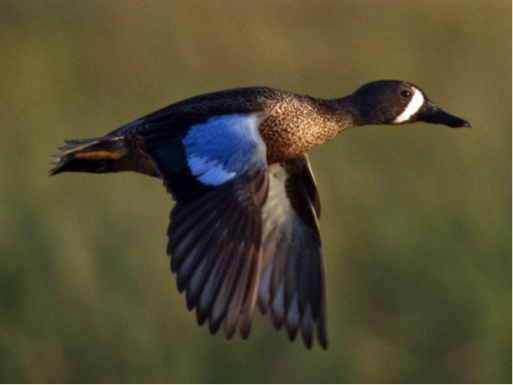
x: 244, y: 229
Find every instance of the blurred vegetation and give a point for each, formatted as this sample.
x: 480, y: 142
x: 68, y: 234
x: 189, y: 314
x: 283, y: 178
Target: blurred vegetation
x: 416, y: 219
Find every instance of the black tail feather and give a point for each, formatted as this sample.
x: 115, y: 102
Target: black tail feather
x: 95, y: 155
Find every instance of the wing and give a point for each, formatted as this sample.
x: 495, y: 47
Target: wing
x: 292, y: 284
x: 216, y: 170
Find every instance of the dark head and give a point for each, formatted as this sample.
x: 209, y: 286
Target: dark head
x: 398, y: 102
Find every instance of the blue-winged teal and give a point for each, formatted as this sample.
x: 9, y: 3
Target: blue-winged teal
x: 244, y: 229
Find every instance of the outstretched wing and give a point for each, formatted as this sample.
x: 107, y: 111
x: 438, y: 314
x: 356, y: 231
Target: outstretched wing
x: 217, y: 172
x: 292, y: 284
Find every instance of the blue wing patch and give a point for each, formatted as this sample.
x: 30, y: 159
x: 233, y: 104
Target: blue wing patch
x: 224, y: 146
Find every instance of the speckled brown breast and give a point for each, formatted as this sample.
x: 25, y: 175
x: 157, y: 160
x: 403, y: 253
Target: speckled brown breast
x: 295, y: 125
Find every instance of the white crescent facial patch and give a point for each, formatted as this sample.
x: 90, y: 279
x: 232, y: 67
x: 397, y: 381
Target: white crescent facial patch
x: 412, y: 108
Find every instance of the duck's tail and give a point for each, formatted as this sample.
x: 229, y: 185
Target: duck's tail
x: 96, y: 155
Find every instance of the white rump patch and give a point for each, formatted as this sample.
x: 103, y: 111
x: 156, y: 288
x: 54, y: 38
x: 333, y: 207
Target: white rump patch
x: 209, y: 172
x: 412, y: 108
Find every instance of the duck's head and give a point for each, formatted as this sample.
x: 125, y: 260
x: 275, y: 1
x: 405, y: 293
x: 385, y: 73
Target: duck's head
x: 398, y: 102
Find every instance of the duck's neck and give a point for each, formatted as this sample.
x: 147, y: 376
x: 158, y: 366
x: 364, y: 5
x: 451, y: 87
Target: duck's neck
x: 343, y: 112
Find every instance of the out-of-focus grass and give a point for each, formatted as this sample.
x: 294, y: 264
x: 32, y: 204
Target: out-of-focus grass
x: 416, y: 219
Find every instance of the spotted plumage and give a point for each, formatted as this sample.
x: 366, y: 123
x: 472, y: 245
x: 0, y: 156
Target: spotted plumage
x: 244, y: 230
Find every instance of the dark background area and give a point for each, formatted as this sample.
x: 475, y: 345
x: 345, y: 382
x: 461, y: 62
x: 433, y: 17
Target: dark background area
x: 416, y: 219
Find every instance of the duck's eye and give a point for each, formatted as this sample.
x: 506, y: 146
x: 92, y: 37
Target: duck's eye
x: 406, y: 93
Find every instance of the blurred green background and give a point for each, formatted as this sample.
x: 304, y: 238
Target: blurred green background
x: 416, y: 219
